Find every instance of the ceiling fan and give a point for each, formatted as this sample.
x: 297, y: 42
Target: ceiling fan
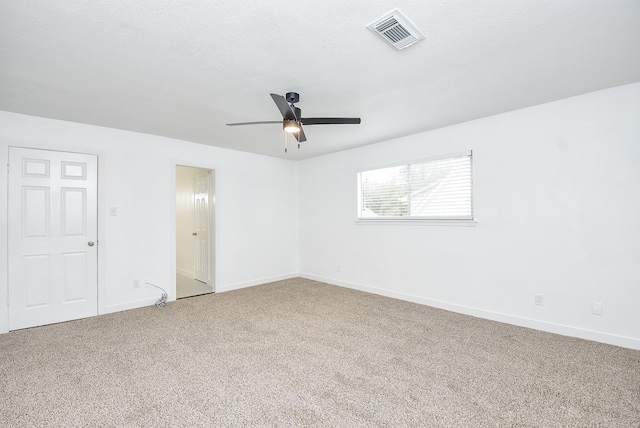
x: 292, y: 119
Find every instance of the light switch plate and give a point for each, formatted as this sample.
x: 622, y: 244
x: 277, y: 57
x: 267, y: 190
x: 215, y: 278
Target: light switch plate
x: 596, y: 308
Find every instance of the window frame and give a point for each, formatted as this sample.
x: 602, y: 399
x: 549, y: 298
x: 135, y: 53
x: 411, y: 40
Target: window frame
x: 416, y: 220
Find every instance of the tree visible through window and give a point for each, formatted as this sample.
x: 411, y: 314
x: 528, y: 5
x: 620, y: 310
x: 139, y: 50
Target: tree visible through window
x: 436, y: 189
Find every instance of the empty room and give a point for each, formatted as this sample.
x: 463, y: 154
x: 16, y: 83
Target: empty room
x: 341, y: 214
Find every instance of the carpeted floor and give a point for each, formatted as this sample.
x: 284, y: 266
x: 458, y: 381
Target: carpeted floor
x: 303, y: 353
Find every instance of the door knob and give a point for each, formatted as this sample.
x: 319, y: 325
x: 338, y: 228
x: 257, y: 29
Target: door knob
x: 90, y: 243
x: 195, y: 234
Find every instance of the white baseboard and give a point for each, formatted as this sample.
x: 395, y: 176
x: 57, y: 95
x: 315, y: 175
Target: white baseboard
x: 611, y: 339
x: 219, y: 289
x: 239, y: 285
x: 128, y: 305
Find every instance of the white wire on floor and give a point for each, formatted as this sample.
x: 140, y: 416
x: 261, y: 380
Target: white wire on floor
x: 163, y: 299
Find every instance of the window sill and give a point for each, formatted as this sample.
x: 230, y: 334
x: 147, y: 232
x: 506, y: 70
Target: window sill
x: 418, y: 222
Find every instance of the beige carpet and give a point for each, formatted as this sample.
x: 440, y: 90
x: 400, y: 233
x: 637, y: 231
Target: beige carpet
x: 303, y: 353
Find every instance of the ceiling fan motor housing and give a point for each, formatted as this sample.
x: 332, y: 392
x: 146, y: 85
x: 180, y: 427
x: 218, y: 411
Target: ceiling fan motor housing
x: 292, y: 97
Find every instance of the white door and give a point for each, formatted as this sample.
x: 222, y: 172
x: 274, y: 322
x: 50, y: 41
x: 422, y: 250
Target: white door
x: 201, y: 210
x: 52, y: 237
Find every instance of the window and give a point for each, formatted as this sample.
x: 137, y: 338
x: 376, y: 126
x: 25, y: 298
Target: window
x: 436, y: 189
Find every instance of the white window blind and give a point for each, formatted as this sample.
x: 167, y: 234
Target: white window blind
x: 439, y: 189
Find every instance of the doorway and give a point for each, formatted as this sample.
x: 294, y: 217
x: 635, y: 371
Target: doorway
x: 195, y: 233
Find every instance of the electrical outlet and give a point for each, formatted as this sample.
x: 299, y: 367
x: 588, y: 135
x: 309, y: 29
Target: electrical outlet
x: 113, y: 211
x: 145, y: 284
x: 596, y: 308
x: 539, y: 299
x: 338, y: 268
x: 136, y: 283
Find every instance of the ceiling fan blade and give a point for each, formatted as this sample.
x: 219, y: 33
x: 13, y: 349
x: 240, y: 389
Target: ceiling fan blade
x: 254, y: 123
x: 283, y: 106
x: 300, y: 136
x: 330, y: 120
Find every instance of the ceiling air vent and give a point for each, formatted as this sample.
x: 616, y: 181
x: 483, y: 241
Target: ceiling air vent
x: 396, y: 30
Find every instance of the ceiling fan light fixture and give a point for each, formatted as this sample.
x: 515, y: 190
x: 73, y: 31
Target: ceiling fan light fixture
x: 291, y: 126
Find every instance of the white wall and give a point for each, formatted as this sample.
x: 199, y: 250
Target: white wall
x: 556, y: 201
x: 256, y: 224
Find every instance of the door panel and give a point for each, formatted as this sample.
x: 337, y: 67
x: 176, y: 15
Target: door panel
x: 35, y: 168
x: 52, y: 219
x: 201, y: 201
x: 74, y: 212
x: 35, y: 271
x: 73, y: 276
x: 35, y: 212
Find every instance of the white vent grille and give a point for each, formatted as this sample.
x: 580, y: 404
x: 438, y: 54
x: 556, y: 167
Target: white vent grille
x: 395, y: 29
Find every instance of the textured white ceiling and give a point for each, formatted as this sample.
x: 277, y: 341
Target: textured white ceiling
x: 183, y: 69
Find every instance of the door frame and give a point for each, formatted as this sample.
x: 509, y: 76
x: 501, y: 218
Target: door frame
x: 4, y: 219
x: 213, y: 230
x: 4, y: 237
